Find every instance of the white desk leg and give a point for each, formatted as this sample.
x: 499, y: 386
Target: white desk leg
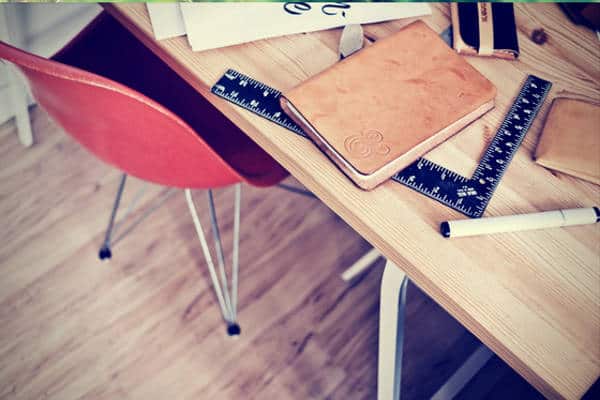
x: 392, y: 304
x: 464, y: 374
x: 391, y: 331
x: 361, y: 264
x: 10, y: 32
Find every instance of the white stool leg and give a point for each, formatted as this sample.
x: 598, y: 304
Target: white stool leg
x: 391, y: 331
x: 18, y: 96
x: 11, y: 33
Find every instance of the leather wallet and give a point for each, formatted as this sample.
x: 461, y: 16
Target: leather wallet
x: 485, y: 29
x: 570, y: 139
x: 380, y: 109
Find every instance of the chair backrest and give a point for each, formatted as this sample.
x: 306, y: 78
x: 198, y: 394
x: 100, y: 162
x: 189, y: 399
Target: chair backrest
x: 122, y: 126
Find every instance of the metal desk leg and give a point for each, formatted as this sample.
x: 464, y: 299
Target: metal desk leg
x: 392, y: 305
x: 391, y: 331
x: 464, y: 374
x: 361, y: 265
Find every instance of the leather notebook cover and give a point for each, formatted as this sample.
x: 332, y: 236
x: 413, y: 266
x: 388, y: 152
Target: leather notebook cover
x: 485, y: 29
x: 570, y: 139
x: 379, y: 110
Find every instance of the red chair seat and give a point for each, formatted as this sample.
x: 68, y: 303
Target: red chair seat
x: 107, y: 49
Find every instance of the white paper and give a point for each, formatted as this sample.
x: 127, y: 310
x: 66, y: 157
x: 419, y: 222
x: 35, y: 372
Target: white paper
x: 166, y: 20
x: 212, y: 25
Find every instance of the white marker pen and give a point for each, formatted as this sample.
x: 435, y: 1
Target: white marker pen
x: 523, y: 222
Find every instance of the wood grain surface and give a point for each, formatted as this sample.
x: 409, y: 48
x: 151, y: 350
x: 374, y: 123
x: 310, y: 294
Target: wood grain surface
x: 146, y: 325
x: 532, y: 297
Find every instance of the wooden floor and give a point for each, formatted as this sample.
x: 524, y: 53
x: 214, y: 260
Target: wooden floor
x: 145, y: 325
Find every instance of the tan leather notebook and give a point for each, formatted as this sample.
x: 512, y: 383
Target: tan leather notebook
x: 377, y: 111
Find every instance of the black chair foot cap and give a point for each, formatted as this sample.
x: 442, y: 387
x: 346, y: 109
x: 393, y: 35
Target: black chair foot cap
x: 104, y: 253
x: 234, y: 330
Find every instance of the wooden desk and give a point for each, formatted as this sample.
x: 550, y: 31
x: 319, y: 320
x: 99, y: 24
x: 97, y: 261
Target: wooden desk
x: 532, y: 297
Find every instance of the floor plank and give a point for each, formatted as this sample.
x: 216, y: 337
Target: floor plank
x: 145, y: 325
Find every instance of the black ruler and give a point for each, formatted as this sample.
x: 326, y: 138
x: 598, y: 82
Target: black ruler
x: 470, y: 196
x: 254, y: 96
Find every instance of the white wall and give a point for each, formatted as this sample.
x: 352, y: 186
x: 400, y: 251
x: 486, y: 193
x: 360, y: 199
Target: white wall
x: 41, y: 29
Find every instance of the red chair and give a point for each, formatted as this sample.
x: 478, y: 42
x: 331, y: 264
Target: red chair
x: 128, y: 108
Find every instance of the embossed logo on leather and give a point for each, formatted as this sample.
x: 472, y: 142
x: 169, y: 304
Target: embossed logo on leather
x: 368, y: 143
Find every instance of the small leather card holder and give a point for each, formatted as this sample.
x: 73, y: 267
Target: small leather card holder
x: 570, y: 139
x: 485, y: 29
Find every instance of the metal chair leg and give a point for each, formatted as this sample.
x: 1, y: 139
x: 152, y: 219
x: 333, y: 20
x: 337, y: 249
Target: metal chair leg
x: 155, y: 205
x: 214, y: 225
x: 236, y: 250
x: 297, y: 190
x: 105, y: 252
x: 233, y: 329
x: 120, y: 229
x: 227, y: 302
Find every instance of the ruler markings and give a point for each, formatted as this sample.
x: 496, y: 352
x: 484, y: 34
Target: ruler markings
x: 470, y: 196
